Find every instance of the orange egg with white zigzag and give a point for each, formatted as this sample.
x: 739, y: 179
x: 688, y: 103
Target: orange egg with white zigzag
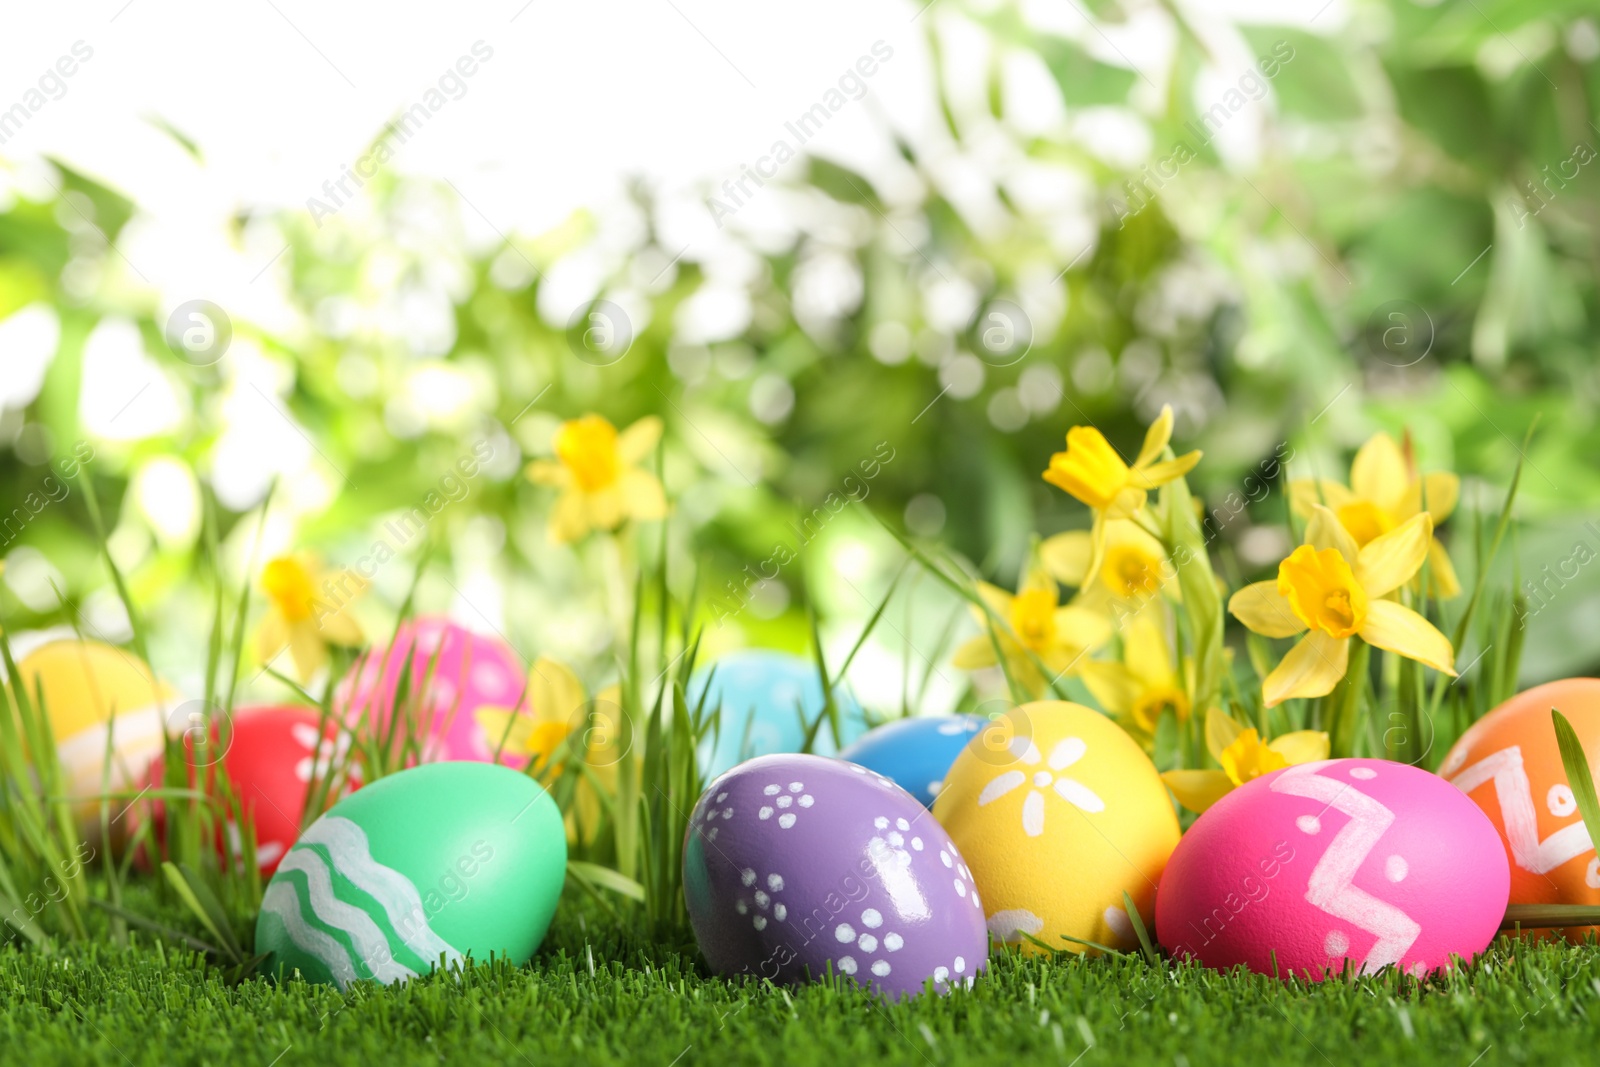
x: 1509, y: 764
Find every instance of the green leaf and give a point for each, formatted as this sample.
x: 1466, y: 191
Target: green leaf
x: 840, y: 183
x: 1139, y: 931
x: 594, y: 875
x: 1578, y: 775
x: 205, y: 907
x: 1448, y: 104
x: 1309, y: 74
x: 1084, y: 80
x: 1186, y: 543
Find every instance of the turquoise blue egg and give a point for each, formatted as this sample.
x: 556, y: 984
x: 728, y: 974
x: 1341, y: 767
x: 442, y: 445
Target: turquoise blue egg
x: 763, y: 695
x: 916, y: 753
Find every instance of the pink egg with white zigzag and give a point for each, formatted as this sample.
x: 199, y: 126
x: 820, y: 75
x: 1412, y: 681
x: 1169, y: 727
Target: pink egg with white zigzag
x: 1364, y: 863
x: 453, y: 674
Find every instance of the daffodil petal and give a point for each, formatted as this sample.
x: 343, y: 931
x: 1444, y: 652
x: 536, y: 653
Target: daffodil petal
x: 1112, y: 685
x: 546, y: 472
x: 1301, y: 746
x: 1311, y: 669
x: 1144, y: 651
x: 504, y: 729
x: 1156, y: 438
x: 639, y: 440
x: 1066, y: 556
x: 307, y: 649
x: 974, y: 654
x: 1222, y: 730
x: 1168, y: 470
x: 1442, y: 572
x: 272, y: 636
x: 607, y: 507
x: 1198, y: 790
x: 340, y: 628
x: 1399, y: 629
x: 642, y: 496
x: 1389, y: 560
x: 996, y: 599
x: 1380, y: 473
x: 1263, y: 609
x: 1128, y: 502
x: 1307, y: 493
x: 554, y: 693
x: 570, y: 519
x: 1325, y: 531
x: 1438, y: 492
x: 1080, y: 628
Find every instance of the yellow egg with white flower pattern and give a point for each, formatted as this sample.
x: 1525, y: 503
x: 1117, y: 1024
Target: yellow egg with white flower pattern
x: 1059, y: 813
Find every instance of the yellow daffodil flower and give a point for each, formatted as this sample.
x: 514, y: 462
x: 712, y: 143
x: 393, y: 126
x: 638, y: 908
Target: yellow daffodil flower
x: 1386, y: 490
x: 307, y: 610
x: 1091, y: 470
x: 1132, y: 570
x: 1145, y: 684
x: 1337, y: 590
x: 557, y: 707
x: 597, y: 469
x: 1243, y: 756
x: 1033, y: 620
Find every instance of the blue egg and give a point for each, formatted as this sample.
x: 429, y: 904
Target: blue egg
x: 916, y: 753
x: 763, y: 695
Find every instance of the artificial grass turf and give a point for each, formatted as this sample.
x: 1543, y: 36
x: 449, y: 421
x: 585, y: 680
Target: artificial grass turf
x: 598, y: 993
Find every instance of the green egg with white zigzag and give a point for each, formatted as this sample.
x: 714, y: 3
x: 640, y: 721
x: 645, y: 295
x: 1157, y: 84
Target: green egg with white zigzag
x: 415, y: 871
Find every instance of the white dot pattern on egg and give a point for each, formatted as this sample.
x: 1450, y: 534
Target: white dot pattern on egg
x: 829, y: 868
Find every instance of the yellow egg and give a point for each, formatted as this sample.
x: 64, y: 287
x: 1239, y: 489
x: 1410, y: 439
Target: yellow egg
x: 100, y: 700
x: 1058, y: 813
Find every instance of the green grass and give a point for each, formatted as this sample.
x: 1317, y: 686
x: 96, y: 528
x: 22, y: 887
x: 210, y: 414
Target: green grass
x: 599, y: 993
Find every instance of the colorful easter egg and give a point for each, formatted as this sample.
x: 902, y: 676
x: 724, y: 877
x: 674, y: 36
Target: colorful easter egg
x: 1059, y: 813
x: 1359, y: 862
x: 435, y: 863
x: 767, y: 699
x: 1510, y: 766
x: 102, y: 702
x: 453, y: 672
x: 800, y: 866
x: 916, y: 752
x: 270, y: 755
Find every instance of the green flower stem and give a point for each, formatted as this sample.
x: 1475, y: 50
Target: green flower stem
x: 1342, y: 707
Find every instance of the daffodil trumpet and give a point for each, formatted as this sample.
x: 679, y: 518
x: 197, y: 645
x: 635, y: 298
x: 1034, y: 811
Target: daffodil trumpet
x: 1092, y: 471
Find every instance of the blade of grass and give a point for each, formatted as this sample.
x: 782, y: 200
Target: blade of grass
x: 1579, y: 777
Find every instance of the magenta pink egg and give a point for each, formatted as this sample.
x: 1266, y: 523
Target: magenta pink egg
x: 1360, y: 860
x: 468, y: 671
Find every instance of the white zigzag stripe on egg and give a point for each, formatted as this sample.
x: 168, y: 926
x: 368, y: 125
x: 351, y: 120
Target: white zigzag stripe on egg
x: 1515, y: 793
x: 1330, y: 886
x: 347, y: 848
x: 352, y: 926
x: 369, y: 943
x: 282, y: 901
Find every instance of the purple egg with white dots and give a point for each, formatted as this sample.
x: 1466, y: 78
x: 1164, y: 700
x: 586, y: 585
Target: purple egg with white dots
x: 800, y: 866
